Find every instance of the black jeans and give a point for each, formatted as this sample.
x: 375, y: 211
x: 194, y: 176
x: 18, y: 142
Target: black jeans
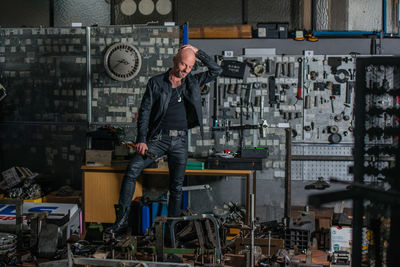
x: 176, y: 148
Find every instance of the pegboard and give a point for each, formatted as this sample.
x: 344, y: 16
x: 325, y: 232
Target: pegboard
x: 311, y: 170
x: 313, y: 95
x: 323, y: 150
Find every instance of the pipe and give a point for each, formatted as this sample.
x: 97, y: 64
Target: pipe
x: 186, y: 33
x: 343, y: 33
x: 252, y: 225
x: 384, y: 26
x: 88, y: 77
x: 192, y: 218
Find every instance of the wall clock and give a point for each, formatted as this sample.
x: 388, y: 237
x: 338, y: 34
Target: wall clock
x: 122, y: 61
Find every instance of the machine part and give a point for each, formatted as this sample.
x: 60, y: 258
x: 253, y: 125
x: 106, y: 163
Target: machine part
x: 264, y: 128
x: 338, y: 117
x: 17, y: 227
x: 329, y: 86
x: 336, y: 90
x: 307, y: 102
x: 341, y: 76
x: 320, y: 184
x: 262, y: 107
x: 196, y: 187
x: 332, y: 98
x: 289, y: 134
x: 272, y: 90
x: 349, y: 91
x: 122, y: 61
x: 160, y: 221
x: 352, y: 72
x: 333, y: 129
x: 231, y: 89
x: 319, y: 86
x: 210, y: 233
x: 256, y: 85
x: 8, y: 245
x: 48, y: 239
x: 307, y: 128
x: 316, y: 102
x: 335, y: 138
x: 278, y: 70
x: 259, y: 70
x: 3, y: 92
x: 341, y: 257
x: 284, y: 69
x: 200, y: 235
x: 252, y: 226
x: 291, y: 73
x: 301, y: 79
x: 346, y: 117
x: 334, y: 62
x: 233, y: 69
x: 313, y: 75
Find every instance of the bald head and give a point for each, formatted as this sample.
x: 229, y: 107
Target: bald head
x: 183, y: 62
x: 186, y: 53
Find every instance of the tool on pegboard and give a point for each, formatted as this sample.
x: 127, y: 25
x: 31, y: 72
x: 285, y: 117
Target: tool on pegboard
x: 301, y: 81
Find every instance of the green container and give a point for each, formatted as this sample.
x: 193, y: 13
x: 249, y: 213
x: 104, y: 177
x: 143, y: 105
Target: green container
x: 195, y: 165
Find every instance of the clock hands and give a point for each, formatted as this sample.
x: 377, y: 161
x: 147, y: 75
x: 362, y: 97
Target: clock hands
x: 123, y: 61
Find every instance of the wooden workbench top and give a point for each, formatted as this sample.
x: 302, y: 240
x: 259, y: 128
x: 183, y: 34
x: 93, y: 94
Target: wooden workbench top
x: 206, y: 172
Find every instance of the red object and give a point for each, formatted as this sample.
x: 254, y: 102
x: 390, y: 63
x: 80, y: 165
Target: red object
x: 227, y: 151
x: 299, y: 96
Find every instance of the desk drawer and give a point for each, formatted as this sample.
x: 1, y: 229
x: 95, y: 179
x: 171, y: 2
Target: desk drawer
x: 235, y: 163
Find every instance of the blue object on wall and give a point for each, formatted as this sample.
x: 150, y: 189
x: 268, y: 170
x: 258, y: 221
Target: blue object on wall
x: 185, y: 34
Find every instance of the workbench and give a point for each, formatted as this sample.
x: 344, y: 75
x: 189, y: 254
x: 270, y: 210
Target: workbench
x: 101, y: 186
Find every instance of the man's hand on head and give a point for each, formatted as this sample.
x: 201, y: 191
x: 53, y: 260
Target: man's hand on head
x: 141, y: 148
x: 194, y: 49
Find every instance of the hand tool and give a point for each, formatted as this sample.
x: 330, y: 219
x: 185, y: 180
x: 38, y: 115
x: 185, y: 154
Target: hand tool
x: 301, y: 81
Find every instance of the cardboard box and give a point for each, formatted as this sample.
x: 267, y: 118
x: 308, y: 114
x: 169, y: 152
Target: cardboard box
x: 98, y: 157
x: 220, y: 32
x: 7, y: 212
x: 342, y: 239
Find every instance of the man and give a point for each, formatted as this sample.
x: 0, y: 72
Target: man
x: 170, y: 106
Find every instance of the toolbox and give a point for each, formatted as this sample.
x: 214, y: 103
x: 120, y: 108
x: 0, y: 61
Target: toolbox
x: 255, y: 152
x: 218, y: 163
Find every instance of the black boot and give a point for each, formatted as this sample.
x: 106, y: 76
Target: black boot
x: 121, y: 223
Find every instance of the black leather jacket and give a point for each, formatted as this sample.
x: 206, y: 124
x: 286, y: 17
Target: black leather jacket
x: 158, y: 93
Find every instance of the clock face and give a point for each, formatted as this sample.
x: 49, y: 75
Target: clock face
x: 122, y: 61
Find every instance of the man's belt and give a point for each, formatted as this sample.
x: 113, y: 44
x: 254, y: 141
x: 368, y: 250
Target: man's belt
x: 175, y: 132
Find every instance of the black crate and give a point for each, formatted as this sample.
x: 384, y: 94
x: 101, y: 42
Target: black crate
x: 282, y: 29
x: 235, y: 163
x: 255, y: 152
x: 296, y: 238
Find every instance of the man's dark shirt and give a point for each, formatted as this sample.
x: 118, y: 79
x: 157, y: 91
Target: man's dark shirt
x: 175, y: 118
